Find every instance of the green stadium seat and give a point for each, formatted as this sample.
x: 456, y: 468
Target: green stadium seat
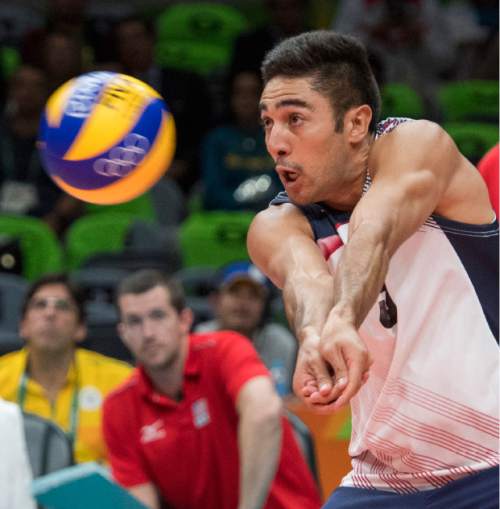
x: 400, y: 100
x: 470, y: 100
x: 41, y: 251
x: 214, y: 238
x: 141, y: 208
x: 473, y: 139
x: 10, y: 60
x: 198, y: 37
x: 93, y: 234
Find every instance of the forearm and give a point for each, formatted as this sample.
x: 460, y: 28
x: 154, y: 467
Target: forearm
x: 146, y: 494
x: 360, y: 275
x: 308, y: 300
x: 259, y: 439
x: 281, y: 243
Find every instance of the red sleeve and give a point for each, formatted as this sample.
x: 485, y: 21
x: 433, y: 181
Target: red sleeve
x: 237, y: 361
x: 488, y: 167
x: 122, y: 441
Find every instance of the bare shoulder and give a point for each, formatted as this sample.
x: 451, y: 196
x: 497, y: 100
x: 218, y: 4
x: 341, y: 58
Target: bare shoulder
x: 279, y: 218
x: 275, y: 225
x: 422, y: 149
x: 420, y: 142
x: 274, y: 234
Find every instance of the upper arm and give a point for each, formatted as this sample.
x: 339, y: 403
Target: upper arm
x: 280, y: 242
x: 122, y: 444
x: 419, y: 171
x: 258, y: 397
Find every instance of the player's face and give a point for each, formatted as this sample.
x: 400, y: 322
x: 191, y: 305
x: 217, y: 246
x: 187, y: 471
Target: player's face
x: 51, y: 321
x: 154, y: 331
x: 299, y: 127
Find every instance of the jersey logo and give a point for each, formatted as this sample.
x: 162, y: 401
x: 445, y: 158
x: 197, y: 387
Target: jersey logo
x: 388, y: 310
x: 152, y: 432
x: 90, y: 398
x: 201, y: 415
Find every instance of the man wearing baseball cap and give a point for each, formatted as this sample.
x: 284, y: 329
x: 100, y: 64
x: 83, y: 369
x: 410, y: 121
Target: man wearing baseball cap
x: 240, y: 303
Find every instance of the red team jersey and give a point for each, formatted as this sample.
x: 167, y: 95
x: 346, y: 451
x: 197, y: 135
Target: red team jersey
x: 189, y: 448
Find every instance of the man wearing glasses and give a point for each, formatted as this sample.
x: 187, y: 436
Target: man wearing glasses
x: 51, y: 376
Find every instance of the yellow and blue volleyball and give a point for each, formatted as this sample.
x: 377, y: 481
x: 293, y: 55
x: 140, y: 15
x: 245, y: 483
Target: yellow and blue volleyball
x: 106, y: 137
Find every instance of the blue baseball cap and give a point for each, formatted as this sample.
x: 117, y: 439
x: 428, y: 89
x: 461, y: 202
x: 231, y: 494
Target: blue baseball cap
x: 242, y: 272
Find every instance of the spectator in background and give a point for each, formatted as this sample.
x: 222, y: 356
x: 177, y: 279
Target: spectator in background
x: 474, y: 29
x: 51, y: 376
x: 184, y: 92
x: 25, y: 188
x: 286, y: 18
x: 488, y: 167
x: 15, y: 471
x: 240, y: 303
x: 409, y: 39
x: 72, y: 18
x: 199, y: 423
x: 62, y: 58
x: 236, y: 152
x: 3, y: 81
x: 16, y: 20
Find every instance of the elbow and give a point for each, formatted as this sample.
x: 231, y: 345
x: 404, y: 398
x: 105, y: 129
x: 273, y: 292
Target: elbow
x: 274, y: 410
x: 267, y: 417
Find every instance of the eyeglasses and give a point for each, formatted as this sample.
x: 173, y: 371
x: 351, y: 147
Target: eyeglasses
x: 59, y: 304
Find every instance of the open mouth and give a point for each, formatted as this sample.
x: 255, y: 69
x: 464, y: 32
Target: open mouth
x: 287, y: 175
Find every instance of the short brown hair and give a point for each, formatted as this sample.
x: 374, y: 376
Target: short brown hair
x: 147, y: 279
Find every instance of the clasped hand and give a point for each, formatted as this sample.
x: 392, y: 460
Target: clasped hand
x: 331, y: 367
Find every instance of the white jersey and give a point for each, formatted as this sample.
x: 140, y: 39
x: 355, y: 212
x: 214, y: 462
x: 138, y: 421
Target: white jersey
x: 15, y: 470
x: 428, y: 413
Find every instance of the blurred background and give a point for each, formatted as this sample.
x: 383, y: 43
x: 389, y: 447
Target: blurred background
x: 434, y: 59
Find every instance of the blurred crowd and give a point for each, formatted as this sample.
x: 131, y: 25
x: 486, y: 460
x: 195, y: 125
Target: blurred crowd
x: 206, y: 66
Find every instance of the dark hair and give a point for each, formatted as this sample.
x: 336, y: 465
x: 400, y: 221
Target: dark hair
x: 338, y: 65
x: 147, y: 23
x: 147, y: 279
x: 59, y: 278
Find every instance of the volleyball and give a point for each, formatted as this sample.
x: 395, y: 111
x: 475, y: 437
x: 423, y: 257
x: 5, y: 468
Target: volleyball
x: 106, y: 137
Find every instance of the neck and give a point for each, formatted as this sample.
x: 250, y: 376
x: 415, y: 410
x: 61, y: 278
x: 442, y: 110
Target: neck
x: 247, y: 332
x: 168, y: 379
x: 50, y: 369
x: 348, y: 196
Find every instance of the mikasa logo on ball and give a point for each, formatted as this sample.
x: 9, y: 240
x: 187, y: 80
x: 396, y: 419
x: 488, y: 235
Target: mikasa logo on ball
x: 83, y: 99
x: 122, y: 160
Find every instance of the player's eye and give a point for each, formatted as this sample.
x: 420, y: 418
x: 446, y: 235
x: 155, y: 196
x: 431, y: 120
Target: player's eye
x: 266, y: 122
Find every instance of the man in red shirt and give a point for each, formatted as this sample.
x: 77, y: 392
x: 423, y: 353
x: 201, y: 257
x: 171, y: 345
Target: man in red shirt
x: 199, y: 423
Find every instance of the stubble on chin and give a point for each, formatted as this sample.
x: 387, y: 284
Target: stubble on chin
x: 164, y: 363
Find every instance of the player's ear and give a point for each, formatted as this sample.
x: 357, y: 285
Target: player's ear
x: 357, y: 122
